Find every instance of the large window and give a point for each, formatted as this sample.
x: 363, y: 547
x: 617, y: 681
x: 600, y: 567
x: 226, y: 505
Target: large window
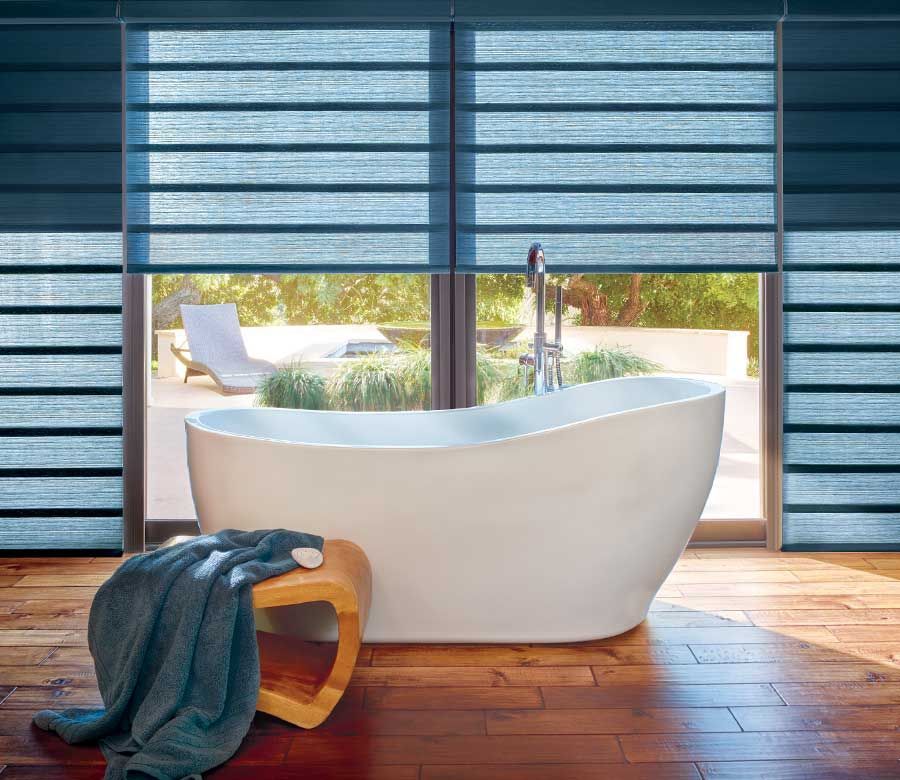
x: 313, y: 341
x: 319, y: 181
x: 703, y: 326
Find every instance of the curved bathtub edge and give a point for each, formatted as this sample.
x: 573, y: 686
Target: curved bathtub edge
x: 194, y: 419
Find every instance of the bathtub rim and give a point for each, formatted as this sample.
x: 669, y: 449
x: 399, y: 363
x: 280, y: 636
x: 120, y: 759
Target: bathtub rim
x: 195, y: 419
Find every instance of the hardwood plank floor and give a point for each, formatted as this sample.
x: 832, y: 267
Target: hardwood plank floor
x: 750, y: 665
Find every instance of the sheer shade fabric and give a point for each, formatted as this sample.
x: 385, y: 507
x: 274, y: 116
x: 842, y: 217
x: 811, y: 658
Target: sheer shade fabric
x: 60, y: 288
x: 319, y: 148
x: 620, y: 148
x: 841, y: 285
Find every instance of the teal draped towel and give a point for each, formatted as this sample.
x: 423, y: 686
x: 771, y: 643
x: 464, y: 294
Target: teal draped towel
x: 173, y: 638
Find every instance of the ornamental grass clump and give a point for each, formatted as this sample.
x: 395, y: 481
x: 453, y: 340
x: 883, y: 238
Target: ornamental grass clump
x: 371, y: 383
x: 292, y: 387
x: 607, y: 363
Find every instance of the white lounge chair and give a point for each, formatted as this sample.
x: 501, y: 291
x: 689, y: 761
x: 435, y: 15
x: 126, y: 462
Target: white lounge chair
x: 216, y: 348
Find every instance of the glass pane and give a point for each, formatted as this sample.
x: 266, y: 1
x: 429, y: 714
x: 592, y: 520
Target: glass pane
x: 703, y: 326
x: 313, y: 341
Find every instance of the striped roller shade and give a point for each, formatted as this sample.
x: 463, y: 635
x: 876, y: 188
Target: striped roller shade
x: 842, y: 285
x: 60, y: 288
x: 621, y: 148
x: 314, y: 148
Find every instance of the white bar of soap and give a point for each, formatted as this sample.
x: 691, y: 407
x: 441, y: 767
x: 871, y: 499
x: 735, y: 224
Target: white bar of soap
x: 307, y: 557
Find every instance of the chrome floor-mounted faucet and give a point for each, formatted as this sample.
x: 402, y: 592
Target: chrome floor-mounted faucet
x: 545, y: 356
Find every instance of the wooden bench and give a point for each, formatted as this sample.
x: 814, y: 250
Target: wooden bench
x: 301, y: 682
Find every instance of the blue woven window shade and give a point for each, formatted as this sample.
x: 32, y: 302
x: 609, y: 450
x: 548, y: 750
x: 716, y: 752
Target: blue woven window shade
x: 313, y: 148
x: 620, y: 147
x: 60, y: 288
x: 842, y: 285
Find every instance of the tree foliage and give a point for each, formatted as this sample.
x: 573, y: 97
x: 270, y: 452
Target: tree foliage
x: 720, y: 301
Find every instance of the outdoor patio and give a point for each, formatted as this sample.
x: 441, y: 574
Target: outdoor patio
x: 735, y: 493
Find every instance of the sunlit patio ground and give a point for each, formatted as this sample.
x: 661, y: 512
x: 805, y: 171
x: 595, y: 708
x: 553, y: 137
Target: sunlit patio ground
x: 735, y: 493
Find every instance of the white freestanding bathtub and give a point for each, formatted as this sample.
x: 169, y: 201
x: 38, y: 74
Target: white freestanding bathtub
x: 546, y: 519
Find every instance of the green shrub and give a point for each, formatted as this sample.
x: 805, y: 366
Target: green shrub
x: 501, y: 380
x: 413, y: 365
x: 292, y: 387
x: 372, y: 383
x: 606, y: 363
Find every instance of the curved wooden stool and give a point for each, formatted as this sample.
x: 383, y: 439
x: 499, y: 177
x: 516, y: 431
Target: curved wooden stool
x: 300, y: 681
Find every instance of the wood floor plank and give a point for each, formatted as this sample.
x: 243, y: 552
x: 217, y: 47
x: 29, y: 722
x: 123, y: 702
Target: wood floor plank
x: 867, y: 693
x: 826, y: 617
x: 43, y: 620
x: 15, y: 723
x: 51, y: 606
x: 661, y: 695
x: 756, y: 603
x: 886, y: 563
x: 471, y: 676
x: 818, y: 718
x: 24, y: 566
x: 751, y: 746
x: 232, y: 771
x: 762, y: 552
x: 735, y: 562
x: 41, y: 748
x: 847, y: 574
x: 7, y: 581
x: 649, y: 634
x: 583, y: 654
x: 53, y: 773
x: 564, y: 772
x: 5, y: 560
x: 879, y: 585
x: 44, y: 675
x: 695, y: 619
x: 681, y: 577
x: 875, y: 601
x: 533, y: 749
x: 453, y: 698
x: 52, y: 697
x: 69, y: 656
x: 259, y: 751
x: 721, y: 673
x: 611, y: 720
x: 879, y: 633
x: 46, y: 594
x: 62, y: 580
x: 23, y: 656
x: 405, y: 723
x: 791, y: 652
x: 860, y: 769
x: 27, y: 637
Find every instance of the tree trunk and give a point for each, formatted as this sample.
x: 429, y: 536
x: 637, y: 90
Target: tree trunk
x: 633, y: 307
x: 593, y: 304
x: 587, y: 298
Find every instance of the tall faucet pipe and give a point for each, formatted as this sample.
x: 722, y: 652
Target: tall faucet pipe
x: 557, y: 334
x: 537, y: 280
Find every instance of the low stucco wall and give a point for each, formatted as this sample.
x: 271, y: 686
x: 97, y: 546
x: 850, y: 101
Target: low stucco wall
x: 719, y: 352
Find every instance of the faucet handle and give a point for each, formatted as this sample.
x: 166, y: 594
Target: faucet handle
x: 535, y: 257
